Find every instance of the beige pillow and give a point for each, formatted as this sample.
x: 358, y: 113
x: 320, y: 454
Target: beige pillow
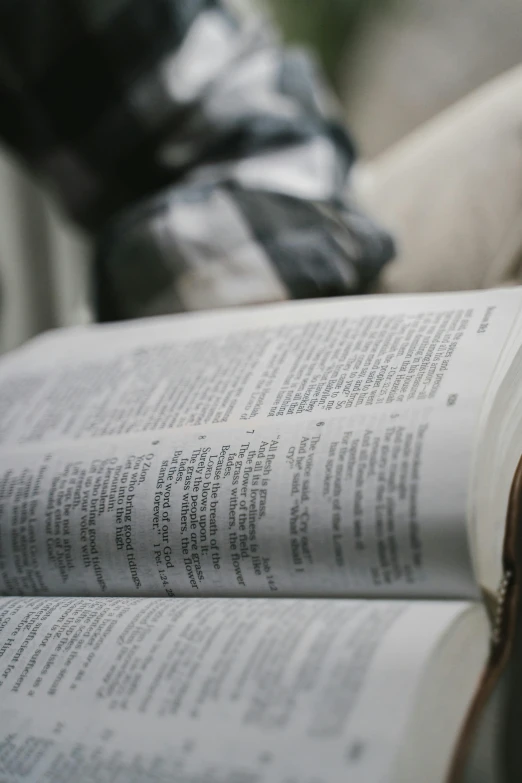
x: 452, y: 194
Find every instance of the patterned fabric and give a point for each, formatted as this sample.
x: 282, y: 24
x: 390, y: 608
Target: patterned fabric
x: 209, y: 160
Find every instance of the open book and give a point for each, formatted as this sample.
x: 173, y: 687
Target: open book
x: 265, y: 545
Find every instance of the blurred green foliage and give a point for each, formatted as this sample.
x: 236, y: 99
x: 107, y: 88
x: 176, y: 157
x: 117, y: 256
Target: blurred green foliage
x: 325, y: 25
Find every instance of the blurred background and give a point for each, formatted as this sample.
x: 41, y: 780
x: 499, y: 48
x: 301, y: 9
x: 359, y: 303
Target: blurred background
x: 397, y: 63
x: 394, y: 65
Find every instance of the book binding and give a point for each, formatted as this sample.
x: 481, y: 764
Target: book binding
x: 503, y: 629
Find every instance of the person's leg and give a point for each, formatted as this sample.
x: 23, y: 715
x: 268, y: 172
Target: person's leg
x: 452, y: 194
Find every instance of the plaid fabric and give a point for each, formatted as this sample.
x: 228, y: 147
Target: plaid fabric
x: 209, y: 160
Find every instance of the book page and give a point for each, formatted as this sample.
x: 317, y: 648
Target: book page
x: 332, y: 507
x: 291, y: 362
x: 218, y: 690
x: 315, y: 449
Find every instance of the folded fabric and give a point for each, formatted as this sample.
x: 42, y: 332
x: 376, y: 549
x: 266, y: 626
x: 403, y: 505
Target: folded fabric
x: 210, y: 162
